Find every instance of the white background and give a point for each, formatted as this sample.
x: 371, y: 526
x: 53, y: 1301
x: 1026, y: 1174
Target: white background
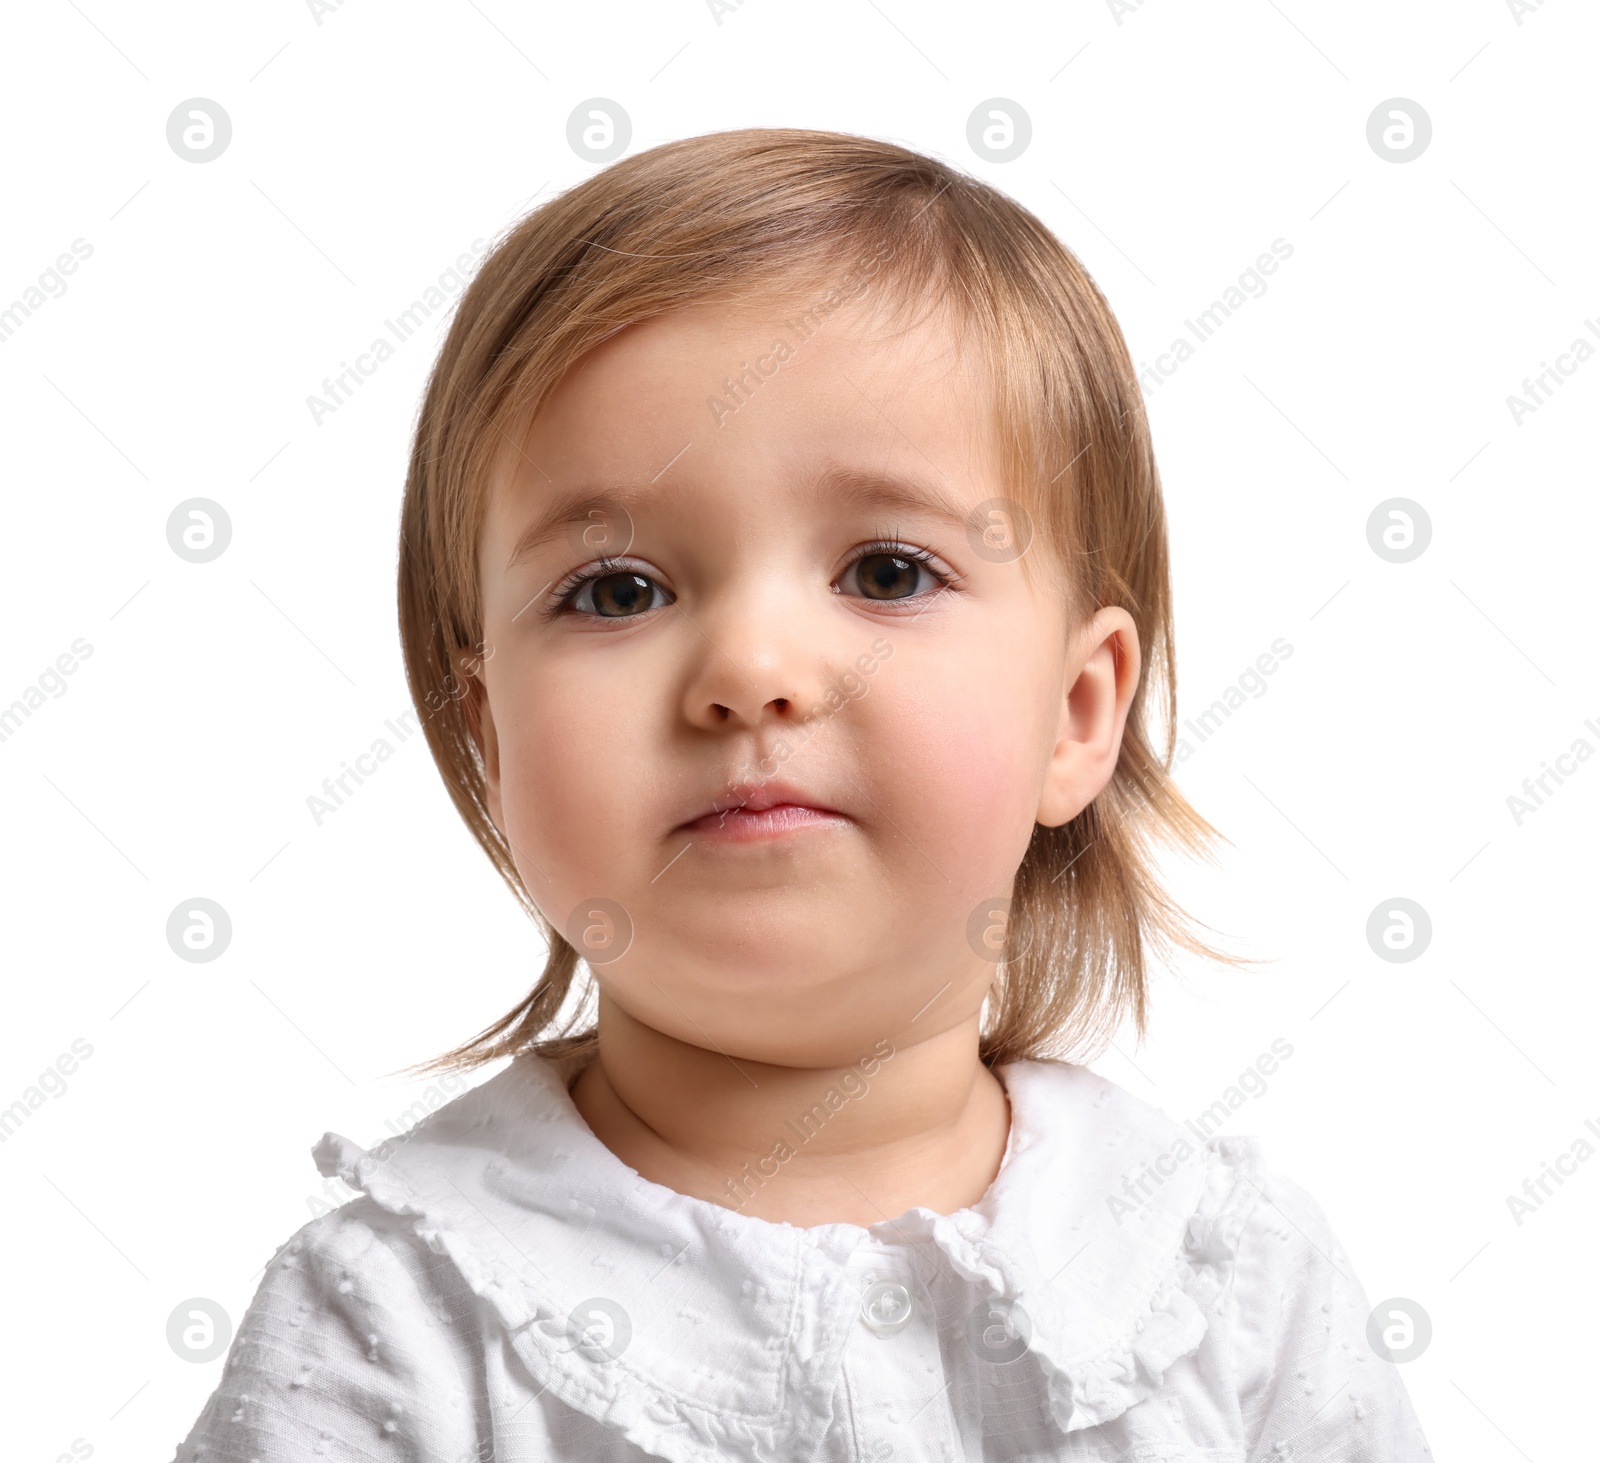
x: 1168, y: 151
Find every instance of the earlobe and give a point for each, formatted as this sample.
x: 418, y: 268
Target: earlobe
x: 1102, y: 674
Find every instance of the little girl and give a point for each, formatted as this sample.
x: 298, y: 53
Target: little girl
x: 784, y: 590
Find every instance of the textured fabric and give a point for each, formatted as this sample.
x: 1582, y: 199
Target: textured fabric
x: 505, y: 1288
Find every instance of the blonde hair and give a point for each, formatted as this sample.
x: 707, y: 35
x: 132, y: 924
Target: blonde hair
x: 708, y: 218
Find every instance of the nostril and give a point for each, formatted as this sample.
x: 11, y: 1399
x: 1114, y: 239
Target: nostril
x: 781, y: 702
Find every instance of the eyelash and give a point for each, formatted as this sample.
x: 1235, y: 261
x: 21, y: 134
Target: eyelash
x: 946, y: 578
x: 560, y: 598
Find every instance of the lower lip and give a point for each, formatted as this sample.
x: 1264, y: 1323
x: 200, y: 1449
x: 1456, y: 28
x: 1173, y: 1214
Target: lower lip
x: 740, y: 825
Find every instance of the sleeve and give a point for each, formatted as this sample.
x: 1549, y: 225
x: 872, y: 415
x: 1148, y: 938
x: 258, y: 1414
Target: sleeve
x: 354, y: 1348
x: 1311, y: 1387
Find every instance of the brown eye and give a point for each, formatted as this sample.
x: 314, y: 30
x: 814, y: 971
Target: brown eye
x: 619, y: 595
x: 887, y: 576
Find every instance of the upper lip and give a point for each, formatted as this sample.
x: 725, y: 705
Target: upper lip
x: 759, y: 798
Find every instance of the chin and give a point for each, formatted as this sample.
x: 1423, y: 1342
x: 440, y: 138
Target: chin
x: 733, y: 951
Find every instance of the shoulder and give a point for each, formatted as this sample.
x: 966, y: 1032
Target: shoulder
x: 361, y: 1255
x: 1172, y: 1238
x: 1289, y: 1263
x: 357, y: 1335
x: 1307, y: 1356
x: 1286, y: 1225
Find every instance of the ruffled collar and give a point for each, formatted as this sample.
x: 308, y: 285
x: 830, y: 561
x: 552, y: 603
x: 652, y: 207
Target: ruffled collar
x: 1109, y: 1225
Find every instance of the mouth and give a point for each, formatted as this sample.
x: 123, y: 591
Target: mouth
x: 772, y: 811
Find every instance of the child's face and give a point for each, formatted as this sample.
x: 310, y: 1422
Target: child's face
x: 742, y: 651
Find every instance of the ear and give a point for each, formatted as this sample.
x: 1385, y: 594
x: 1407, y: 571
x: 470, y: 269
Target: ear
x: 474, y: 690
x: 1102, y: 674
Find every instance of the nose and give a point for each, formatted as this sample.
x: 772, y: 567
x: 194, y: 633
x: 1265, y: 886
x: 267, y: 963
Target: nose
x: 759, y: 661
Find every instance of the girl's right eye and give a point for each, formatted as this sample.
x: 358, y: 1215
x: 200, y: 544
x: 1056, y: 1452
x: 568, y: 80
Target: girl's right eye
x: 610, y: 594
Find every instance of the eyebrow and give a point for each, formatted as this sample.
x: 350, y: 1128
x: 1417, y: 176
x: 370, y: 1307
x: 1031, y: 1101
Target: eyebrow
x: 846, y: 487
x: 872, y: 488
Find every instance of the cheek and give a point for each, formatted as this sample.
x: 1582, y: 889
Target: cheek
x: 962, y: 754
x: 569, y: 750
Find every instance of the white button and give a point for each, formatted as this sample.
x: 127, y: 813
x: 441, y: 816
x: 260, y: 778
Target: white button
x: 886, y: 1307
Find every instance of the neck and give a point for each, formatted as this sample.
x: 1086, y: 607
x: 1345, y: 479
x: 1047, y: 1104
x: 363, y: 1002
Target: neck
x: 920, y: 1124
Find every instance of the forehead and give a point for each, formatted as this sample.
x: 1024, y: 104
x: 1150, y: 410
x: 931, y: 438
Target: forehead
x: 786, y: 388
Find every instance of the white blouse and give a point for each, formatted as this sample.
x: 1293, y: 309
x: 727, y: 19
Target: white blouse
x: 506, y: 1289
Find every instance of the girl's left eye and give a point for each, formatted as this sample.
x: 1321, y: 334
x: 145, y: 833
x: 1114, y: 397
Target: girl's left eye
x: 888, y: 572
